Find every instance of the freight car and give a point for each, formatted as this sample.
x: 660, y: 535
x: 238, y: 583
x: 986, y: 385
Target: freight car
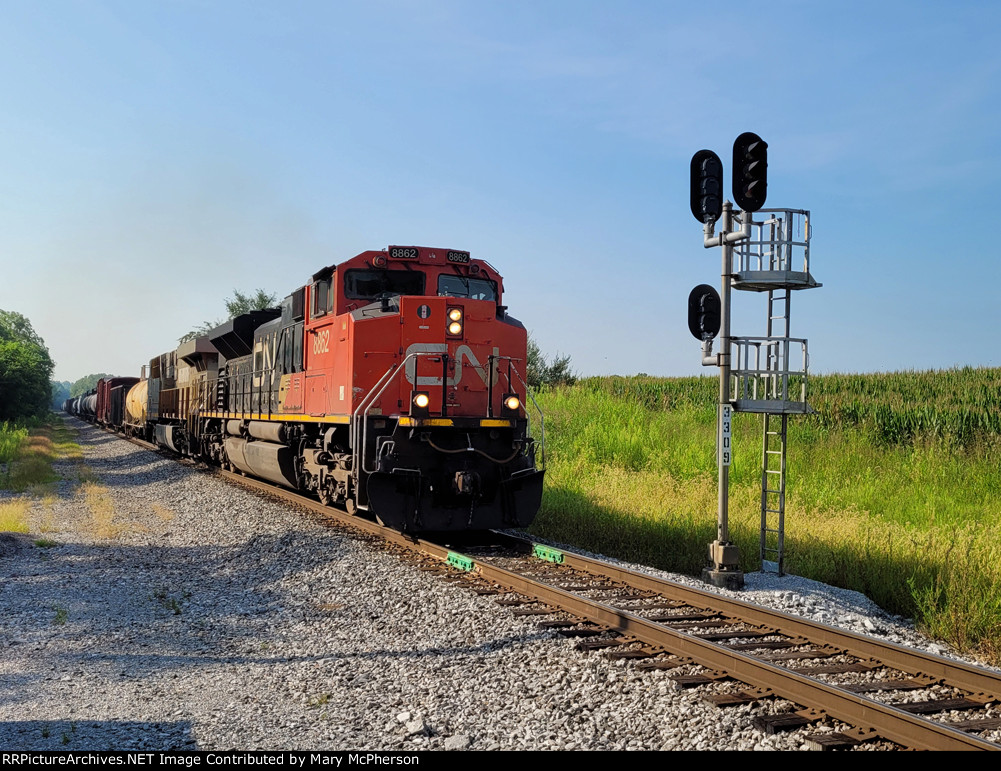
x: 109, y: 408
x: 391, y: 383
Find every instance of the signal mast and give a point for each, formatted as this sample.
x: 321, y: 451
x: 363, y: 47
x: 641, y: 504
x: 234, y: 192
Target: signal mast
x: 757, y: 374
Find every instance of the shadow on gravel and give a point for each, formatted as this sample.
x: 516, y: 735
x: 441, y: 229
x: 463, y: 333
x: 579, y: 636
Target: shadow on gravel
x: 121, y: 735
x: 135, y: 466
x: 448, y: 652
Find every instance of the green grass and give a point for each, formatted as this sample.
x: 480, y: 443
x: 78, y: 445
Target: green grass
x: 29, y: 452
x: 12, y: 436
x: 894, y: 486
x: 14, y: 516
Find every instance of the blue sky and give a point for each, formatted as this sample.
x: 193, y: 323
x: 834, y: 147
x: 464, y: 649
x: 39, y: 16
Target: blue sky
x: 156, y: 156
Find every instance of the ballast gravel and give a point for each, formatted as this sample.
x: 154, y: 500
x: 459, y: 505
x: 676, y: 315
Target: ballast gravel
x: 156, y: 607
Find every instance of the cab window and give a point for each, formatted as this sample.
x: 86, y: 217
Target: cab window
x: 370, y: 284
x: 323, y: 298
x: 473, y: 288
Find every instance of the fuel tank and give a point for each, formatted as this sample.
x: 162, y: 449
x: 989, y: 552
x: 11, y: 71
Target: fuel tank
x: 274, y: 462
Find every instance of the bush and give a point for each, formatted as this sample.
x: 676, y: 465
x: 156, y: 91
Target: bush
x: 541, y: 373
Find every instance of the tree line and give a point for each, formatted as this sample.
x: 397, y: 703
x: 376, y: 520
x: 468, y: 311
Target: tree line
x: 25, y: 369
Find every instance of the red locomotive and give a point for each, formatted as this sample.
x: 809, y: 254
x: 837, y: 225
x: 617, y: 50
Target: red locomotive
x: 393, y: 383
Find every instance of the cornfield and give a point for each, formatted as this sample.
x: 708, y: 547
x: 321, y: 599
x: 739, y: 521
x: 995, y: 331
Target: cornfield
x: 961, y: 407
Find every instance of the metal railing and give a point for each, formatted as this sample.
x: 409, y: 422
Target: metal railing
x: 528, y: 416
x: 360, y: 414
x: 779, y: 242
x: 762, y: 371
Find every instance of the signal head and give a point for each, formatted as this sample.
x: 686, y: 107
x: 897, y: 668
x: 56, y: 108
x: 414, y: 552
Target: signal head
x: 750, y: 171
x: 704, y: 312
x: 706, y: 186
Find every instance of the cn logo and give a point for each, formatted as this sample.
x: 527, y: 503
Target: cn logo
x: 462, y: 353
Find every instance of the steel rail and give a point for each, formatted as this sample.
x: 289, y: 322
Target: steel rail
x: 913, y: 662
x: 887, y: 721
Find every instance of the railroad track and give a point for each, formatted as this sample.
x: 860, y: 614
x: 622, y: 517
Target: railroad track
x: 852, y: 689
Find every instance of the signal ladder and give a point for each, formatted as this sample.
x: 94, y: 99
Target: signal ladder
x: 773, y: 452
x: 765, y: 378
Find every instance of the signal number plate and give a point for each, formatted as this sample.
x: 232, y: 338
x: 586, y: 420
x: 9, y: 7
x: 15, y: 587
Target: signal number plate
x: 724, y: 435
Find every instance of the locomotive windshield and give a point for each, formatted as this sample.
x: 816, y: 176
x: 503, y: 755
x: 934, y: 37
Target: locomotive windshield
x: 473, y: 288
x: 364, y: 284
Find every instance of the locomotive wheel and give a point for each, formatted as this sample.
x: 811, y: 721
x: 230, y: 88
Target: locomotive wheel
x: 351, y: 507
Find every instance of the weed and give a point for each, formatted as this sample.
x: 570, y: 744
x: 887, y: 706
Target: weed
x: 85, y: 475
x: 11, y: 437
x: 102, y: 511
x: 13, y: 515
x: 27, y: 454
x: 164, y: 598
x: 45, y: 543
x: 61, y: 615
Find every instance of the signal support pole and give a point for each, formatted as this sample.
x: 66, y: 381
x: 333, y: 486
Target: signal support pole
x: 724, y: 555
x: 761, y: 375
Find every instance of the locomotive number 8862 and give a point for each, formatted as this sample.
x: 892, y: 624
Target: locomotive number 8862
x: 392, y: 383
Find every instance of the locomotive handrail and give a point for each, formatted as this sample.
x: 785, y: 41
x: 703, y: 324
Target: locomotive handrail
x: 368, y: 401
x: 528, y: 392
x: 368, y: 398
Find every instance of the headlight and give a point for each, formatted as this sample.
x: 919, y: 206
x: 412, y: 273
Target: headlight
x: 512, y: 403
x: 454, y: 321
x: 422, y: 400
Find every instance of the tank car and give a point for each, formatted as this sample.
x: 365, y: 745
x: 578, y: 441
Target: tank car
x: 87, y: 406
x: 391, y: 383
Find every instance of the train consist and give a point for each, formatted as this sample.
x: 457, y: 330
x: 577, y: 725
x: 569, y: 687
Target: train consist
x: 391, y: 383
